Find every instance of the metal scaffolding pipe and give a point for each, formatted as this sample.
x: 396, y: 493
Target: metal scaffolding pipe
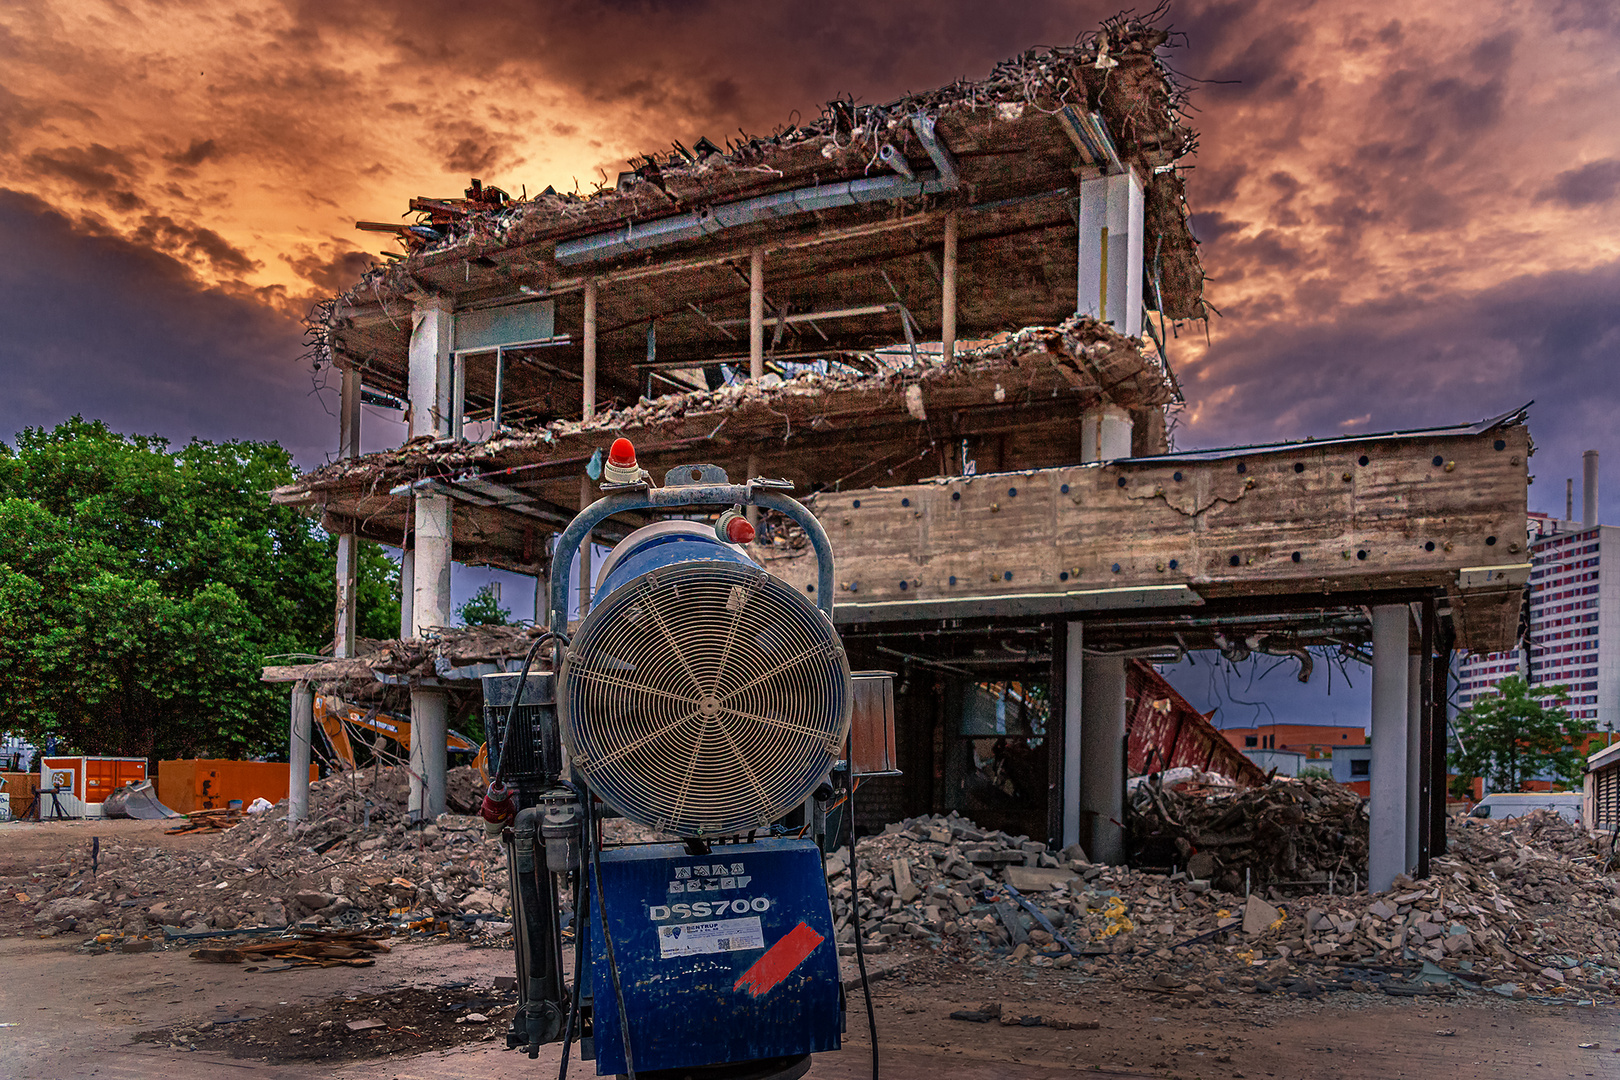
x: 588, y: 336
x: 1387, y: 804
x: 947, y: 274
x: 756, y: 313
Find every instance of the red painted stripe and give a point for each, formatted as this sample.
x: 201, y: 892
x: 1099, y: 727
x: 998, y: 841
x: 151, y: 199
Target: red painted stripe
x: 779, y: 960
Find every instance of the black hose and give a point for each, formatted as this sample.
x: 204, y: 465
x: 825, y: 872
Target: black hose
x: 495, y: 773
x: 607, y: 938
x: 855, y: 921
x: 582, y: 900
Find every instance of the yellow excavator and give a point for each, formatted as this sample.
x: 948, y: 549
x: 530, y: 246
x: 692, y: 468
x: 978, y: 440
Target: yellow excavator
x: 336, y: 718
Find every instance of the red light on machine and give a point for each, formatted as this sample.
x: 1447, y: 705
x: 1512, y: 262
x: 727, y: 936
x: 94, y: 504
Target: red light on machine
x: 621, y: 463
x: 733, y: 528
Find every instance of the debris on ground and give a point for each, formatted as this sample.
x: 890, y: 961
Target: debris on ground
x: 217, y: 820
x: 409, y: 1020
x: 1291, y: 832
x: 300, y: 948
x: 1516, y: 906
x: 357, y: 861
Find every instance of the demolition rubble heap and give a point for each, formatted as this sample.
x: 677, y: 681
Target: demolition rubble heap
x: 1516, y: 906
x: 354, y: 862
x: 1295, y: 831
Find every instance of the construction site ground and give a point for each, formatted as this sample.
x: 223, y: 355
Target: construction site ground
x: 66, y: 1012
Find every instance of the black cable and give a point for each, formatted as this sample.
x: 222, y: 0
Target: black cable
x: 582, y: 900
x: 607, y: 939
x: 855, y: 921
x: 511, y: 710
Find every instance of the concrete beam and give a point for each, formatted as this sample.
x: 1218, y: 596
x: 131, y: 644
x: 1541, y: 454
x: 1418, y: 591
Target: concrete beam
x: 1387, y: 804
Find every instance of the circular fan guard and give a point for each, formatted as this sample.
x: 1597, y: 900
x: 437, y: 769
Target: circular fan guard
x: 704, y: 699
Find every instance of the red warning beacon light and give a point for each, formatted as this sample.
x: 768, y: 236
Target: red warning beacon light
x: 621, y: 463
x: 733, y: 528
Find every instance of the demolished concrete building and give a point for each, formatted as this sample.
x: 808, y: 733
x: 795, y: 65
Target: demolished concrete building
x: 949, y: 321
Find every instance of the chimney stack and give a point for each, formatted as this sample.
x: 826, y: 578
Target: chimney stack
x: 1589, y: 488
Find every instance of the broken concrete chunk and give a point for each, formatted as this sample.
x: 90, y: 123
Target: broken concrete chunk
x: 1258, y: 916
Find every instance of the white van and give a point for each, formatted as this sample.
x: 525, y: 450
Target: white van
x: 1504, y: 805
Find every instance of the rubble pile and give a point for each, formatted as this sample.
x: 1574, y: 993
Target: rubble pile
x: 354, y: 861
x: 1517, y: 906
x: 1304, y: 830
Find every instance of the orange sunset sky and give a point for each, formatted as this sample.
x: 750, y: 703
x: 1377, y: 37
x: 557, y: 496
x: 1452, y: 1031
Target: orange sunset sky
x: 1409, y: 211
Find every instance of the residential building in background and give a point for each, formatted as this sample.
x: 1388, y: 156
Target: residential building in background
x: 1573, y: 636
x: 1315, y: 741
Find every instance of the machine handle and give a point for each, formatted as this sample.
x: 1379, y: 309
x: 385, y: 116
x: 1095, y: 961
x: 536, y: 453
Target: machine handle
x: 682, y: 497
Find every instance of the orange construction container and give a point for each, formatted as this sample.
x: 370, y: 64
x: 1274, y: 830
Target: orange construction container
x: 93, y: 778
x: 212, y: 783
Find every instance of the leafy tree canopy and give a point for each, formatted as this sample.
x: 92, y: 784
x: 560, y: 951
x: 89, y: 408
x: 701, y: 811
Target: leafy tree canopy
x: 1517, y: 734
x: 142, y: 589
x: 484, y: 610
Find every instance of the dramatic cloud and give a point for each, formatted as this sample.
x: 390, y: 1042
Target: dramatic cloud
x: 1408, y: 213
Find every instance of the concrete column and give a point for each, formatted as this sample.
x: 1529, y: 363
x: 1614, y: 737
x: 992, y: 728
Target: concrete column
x: 348, y: 566
x: 349, y: 415
x: 300, y: 727
x: 430, y: 584
x: 430, y: 363
x: 756, y: 313
x: 1105, y: 433
x: 947, y: 300
x: 407, y: 592
x: 1102, y: 756
x: 1387, y: 804
x: 430, y: 607
x: 1073, y: 697
x: 430, y: 712
x: 1414, y: 759
x: 1110, y: 256
x: 542, y: 600
x: 588, y: 336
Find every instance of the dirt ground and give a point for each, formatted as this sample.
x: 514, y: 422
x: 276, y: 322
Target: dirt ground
x: 64, y: 1012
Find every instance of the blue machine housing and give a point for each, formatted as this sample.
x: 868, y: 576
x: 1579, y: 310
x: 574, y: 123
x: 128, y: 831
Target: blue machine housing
x: 726, y: 957
x: 664, y: 544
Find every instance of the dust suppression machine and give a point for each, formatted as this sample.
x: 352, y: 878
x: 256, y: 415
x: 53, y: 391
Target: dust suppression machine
x: 710, y: 701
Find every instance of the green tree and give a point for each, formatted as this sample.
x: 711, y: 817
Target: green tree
x: 484, y: 610
x: 1517, y: 733
x: 142, y: 589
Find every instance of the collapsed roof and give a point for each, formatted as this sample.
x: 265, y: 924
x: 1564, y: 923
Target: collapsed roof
x: 851, y: 209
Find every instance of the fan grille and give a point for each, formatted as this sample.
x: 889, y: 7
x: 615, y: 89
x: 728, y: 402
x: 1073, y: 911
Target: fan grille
x: 704, y: 699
